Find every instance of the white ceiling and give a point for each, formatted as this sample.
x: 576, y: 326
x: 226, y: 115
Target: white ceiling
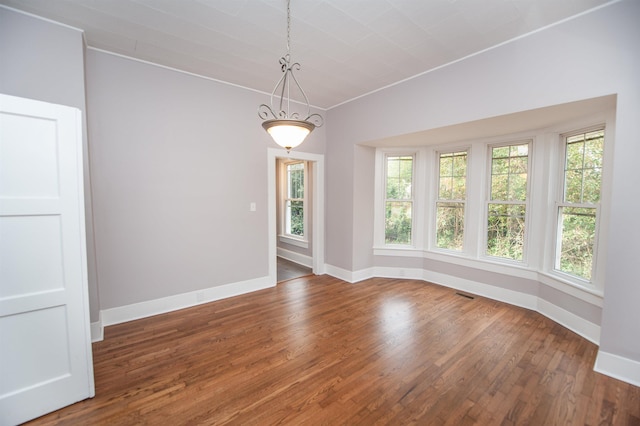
x: 347, y: 48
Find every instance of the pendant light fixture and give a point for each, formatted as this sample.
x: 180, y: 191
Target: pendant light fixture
x: 284, y: 125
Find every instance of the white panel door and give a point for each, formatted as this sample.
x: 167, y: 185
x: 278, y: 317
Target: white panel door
x: 45, y: 344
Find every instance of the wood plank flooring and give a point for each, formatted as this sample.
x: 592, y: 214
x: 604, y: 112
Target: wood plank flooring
x: 317, y: 350
x: 288, y: 270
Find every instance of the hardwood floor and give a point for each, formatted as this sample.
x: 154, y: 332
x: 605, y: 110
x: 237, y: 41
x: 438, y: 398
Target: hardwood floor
x: 288, y: 270
x: 317, y: 350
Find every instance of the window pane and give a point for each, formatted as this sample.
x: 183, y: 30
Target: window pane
x: 399, y: 178
x: 398, y: 222
x: 583, y: 167
x: 295, y: 176
x: 450, y: 225
x: 573, y: 186
x: 452, y: 186
x: 594, y: 150
x: 517, y: 187
x: 453, y: 176
x: 500, y: 166
x: 460, y: 164
x: 446, y: 165
x: 294, y: 218
x: 518, y: 165
x: 591, y: 186
x: 505, y: 231
x: 519, y: 150
x: 501, y: 152
x: 294, y: 205
x: 499, y: 187
x: 575, y: 155
x: 458, y: 190
x: 509, y: 167
x: 446, y: 188
x: 578, y: 230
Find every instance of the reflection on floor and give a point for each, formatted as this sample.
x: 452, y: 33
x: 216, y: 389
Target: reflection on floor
x: 288, y: 270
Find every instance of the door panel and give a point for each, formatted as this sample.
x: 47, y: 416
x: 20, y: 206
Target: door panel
x: 45, y: 349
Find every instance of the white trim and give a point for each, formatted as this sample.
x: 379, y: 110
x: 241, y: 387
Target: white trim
x: 32, y: 15
x: 149, y: 308
x: 97, y: 330
x: 342, y: 274
x: 293, y: 241
x: 398, y: 251
x: 506, y: 295
x: 292, y: 256
x: 584, y: 328
x: 585, y: 294
x: 226, y: 83
x: 625, y: 369
x: 392, y: 272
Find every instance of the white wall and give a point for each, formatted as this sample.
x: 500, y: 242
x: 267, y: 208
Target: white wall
x: 44, y: 61
x: 593, y: 55
x: 176, y: 160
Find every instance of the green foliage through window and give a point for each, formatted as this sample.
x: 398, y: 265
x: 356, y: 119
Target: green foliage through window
x: 452, y: 186
x: 505, y: 231
x: 578, y: 230
x: 399, y: 199
x: 508, y: 194
x: 577, y: 212
x: 583, y: 168
x: 294, y: 206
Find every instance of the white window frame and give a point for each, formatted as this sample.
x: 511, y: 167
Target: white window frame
x: 526, y: 203
x: 560, y: 203
x: 436, y: 199
x: 417, y: 210
x: 296, y: 240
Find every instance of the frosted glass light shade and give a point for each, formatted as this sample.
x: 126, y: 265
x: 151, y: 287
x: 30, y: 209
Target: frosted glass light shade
x: 288, y: 133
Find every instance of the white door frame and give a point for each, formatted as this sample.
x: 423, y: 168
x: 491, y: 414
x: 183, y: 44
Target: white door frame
x: 317, y: 213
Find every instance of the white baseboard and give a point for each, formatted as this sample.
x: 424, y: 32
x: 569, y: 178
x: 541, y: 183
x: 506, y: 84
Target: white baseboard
x: 390, y: 272
x: 578, y: 325
x: 149, y: 308
x: 512, y: 297
x: 97, y: 330
x: 618, y: 367
x: 339, y: 273
x: 300, y: 259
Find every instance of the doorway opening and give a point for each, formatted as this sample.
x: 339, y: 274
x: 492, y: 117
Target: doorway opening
x: 298, y: 241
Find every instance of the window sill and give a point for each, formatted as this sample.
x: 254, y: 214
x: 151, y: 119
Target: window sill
x: 298, y: 242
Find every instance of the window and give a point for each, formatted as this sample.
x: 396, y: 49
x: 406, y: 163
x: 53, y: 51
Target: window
x: 450, y: 203
x: 529, y: 204
x: 294, y: 200
x: 506, y: 208
x: 577, y: 212
x: 398, y: 199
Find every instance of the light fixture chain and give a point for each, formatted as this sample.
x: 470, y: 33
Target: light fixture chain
x: 288, y: 26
